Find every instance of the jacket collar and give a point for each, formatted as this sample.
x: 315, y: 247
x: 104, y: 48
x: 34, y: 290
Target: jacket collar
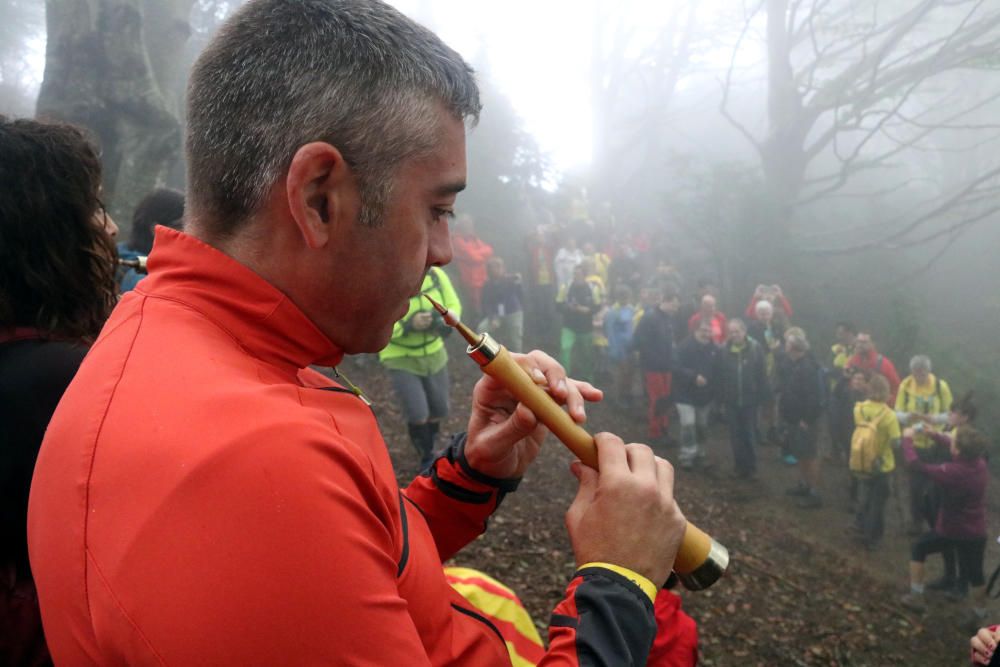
x: 264, y: 321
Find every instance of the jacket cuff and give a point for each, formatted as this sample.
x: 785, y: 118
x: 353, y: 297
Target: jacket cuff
x: 453, y: 476
x: 456, y: 454
x: 644, y: 584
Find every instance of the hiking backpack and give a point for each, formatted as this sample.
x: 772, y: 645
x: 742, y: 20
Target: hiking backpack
x: 864, y: 442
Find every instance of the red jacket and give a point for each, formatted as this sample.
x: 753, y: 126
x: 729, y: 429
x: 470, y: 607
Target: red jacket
x: 470, y: 254
x: 719, y: 333
x: 676, y: 643
x: 875, y: 361
x: 751, y: 311
x: 201, y: 499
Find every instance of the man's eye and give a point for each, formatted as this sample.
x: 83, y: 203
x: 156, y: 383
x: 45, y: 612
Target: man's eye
x: 443, y: 214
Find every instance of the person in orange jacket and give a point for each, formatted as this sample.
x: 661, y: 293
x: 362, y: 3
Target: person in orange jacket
x: 470, y: 256
x: 203, y: 497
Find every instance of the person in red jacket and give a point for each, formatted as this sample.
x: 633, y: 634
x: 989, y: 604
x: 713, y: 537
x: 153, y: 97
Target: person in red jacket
x: 203, y: 497
x: 867, y: 357
x: 773, y: 295
x: 711, y: 314
x: 470, y: 256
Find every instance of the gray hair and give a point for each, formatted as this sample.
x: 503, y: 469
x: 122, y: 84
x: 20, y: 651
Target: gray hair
x: 921, y: 361
x: 356, y: 74
x: 763, y: 306
x: 797, y: 342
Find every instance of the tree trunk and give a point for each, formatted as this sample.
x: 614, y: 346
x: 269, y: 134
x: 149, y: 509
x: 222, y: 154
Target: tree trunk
x: 98, y: 74
x: 783, y: 151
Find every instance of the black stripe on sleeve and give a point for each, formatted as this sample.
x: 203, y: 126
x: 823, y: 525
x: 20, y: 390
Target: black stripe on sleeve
x: 405, y: 556
x: 456, y: 492
x: 482, y: 619
x: 563, y: 621
x: 418, y: 507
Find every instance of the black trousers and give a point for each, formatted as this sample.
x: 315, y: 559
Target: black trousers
x: 874, y: 493
x: 969, y: 553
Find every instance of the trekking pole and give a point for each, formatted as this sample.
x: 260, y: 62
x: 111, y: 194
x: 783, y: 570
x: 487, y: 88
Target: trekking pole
x: 700, y: 561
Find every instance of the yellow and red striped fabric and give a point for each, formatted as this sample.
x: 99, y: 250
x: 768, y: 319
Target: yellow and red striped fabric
x: 502, y: 606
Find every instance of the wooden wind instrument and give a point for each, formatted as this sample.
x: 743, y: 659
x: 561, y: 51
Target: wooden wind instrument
x: 700, y: 561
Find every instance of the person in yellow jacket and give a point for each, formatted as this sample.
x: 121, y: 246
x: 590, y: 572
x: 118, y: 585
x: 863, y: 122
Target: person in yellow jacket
x: 417, y: 362
x: 875, y: 487
x: 923, y: 402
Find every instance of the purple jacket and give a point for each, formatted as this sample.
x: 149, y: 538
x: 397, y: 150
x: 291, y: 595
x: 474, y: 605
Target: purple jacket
x: 963, y: 491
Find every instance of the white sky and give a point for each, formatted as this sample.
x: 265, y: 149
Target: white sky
x: 539, y: 57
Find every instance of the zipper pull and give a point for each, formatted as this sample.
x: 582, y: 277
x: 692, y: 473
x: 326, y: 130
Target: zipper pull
x: 353, y: 387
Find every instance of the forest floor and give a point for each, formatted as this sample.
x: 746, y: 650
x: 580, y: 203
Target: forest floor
x: 799, y: 590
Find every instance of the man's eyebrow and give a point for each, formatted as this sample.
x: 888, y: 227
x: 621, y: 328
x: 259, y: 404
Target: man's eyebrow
x: 449, y: 188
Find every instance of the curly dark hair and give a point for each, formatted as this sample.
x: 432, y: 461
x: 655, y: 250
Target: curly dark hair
x: 57, y: 264
x: 162, y: 206
x: 966, y: 406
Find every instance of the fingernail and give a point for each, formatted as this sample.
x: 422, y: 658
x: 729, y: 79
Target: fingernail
x: 537, y: 375
x: 562, y: 385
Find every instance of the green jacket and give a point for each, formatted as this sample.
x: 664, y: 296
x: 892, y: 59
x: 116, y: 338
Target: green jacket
x: 410, y: 350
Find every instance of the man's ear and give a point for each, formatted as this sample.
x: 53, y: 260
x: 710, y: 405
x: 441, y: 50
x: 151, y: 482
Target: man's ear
x: 319, y: 186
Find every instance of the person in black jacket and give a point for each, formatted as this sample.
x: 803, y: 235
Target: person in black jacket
x: 577, y: 302
x: 57, y: 287
x: 801, y: 408
x: 694, y: 375
x: 741, y: 386
x: 654, y: 339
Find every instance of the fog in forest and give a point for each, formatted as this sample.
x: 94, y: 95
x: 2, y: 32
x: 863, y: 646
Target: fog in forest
x: 846, y: 150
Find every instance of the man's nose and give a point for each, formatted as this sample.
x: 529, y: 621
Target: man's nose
x: 439, y: 250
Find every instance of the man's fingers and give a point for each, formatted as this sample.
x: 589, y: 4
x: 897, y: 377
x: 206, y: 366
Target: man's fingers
x: 665, y: 478
x: 585, y: 492
x: 546, y: 371
x: 642, y: 462
x: 611, y: 457
x: 520, y: 424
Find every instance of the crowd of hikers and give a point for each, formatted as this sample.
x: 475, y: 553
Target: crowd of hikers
x: 625, y: 321
x: 622, y: 321
x: 203, y: 496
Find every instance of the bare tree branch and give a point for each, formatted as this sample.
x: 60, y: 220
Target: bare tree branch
x: 727, y: 85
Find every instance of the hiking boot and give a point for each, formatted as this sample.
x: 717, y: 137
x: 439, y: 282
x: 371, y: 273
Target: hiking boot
x: 913, y: 601
x: 811, y: 501
x: 957, y: 593
x: 941, y: 584
x: 799, y: 490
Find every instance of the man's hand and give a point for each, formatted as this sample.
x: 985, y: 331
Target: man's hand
x: 421, y: 321
x: 504, y: 436
x: 626, y: 514
x: 700, y: 381
x: 984, y: 643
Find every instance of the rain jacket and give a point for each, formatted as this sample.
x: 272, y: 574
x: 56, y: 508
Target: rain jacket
x: 407, y: 342
x: 202, y: 498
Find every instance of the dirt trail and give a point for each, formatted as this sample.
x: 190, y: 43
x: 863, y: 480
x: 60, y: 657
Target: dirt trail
x: 799, y: 591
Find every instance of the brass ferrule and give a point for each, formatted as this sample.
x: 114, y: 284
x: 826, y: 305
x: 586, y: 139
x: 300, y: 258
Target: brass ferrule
x: 485, y: 350
x: 709, y: 572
